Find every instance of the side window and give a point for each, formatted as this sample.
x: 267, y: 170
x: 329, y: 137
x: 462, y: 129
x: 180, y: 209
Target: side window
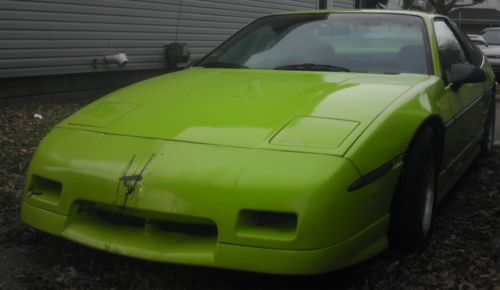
x: 473, y: 50
x: 450, y: 49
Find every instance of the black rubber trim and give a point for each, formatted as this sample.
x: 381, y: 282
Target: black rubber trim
x: 375, y: 174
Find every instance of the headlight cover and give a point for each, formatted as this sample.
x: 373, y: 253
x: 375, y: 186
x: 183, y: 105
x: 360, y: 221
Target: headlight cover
x: 314, y: 132
x: 101, y: 114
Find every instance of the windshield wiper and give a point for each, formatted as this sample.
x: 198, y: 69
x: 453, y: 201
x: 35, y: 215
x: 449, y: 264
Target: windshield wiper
x: 221, y: 64
x: 312, y: 67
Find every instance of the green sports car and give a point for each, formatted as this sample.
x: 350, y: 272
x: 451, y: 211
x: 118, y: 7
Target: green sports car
x: 305, y: 143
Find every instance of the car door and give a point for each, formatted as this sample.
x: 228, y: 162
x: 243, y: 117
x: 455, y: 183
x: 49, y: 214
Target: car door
x: 466, y: 101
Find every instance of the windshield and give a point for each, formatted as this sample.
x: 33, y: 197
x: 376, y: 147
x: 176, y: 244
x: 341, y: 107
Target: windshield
x: 371, y: 43
x: 492, y: 36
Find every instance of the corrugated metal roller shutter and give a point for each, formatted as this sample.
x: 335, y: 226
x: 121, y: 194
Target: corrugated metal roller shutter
x: 39, y: 37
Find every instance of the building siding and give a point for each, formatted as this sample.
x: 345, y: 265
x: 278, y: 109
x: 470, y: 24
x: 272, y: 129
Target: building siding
x: 46, y: 37
x: 348, y: 4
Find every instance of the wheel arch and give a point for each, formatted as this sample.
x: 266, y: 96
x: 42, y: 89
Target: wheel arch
x: 408, y: 204
x: 438, y: 129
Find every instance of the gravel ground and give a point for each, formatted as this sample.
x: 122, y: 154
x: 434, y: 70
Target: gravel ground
x: 464, y: 252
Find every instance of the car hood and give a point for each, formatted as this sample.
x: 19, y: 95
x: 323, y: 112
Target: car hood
x: 246, y: 108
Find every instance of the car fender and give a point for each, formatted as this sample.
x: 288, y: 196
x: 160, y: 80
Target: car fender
x: 390, y: 134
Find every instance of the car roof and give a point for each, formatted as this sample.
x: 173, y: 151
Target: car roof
x: 366, y: 11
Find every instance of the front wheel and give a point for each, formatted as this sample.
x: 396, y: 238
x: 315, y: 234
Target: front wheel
x: 413, y: 202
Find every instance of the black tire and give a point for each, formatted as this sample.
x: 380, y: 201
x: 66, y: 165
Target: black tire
x: 413, y: 203
x: 487, y: 142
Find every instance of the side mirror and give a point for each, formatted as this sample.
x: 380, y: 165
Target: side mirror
x: 177, y: 56
x: 451, y: 55
x: 461, y: 73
